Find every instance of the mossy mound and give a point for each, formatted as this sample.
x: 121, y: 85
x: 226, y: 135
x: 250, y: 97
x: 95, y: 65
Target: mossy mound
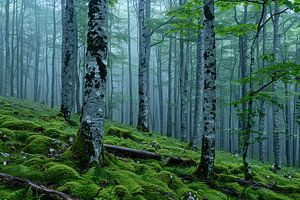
x: 22, y: 125
x: 84, y: 191
x: 59, y: 173
x: 119, y: 132
x: 26, y: 153
x: 39, y: 144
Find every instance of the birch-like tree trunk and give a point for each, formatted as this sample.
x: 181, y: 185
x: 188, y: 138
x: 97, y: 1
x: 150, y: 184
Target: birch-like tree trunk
x: 199, y: 93
x: 275, y: 109
x: 170, y: 102
x: 143, y: 113
x: 53, y: 56
x: 261, y: 123
x: 129, y: 65
x: 206, y: 166
x: 37, y: 54
x: 69, y: 59
x: 87, y: 148
x: 7, y: 48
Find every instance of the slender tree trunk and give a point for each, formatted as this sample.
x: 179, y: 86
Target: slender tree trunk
x: 160, y: 89
x: 37, y: 54
x: 2, y: 66
x: 275, y: 110
x: 170, y: 102
x: 7, y: 48
x: 143, y: 113
x: 69, y: 58
x: 206, y: 166
x: 53, y: 56
x: 87, y: 148
x: 199, y: 93
x: 129, y: 65
x: 23, y: 8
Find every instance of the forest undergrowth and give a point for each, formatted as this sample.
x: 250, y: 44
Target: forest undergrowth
x: 35, y: 144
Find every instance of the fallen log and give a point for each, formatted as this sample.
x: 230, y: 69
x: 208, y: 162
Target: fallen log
x: 36, y: 188
x: 132, y: 153
x: 142, y: 154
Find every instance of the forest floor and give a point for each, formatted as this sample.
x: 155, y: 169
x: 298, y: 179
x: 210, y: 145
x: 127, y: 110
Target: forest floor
x: 35, y: 145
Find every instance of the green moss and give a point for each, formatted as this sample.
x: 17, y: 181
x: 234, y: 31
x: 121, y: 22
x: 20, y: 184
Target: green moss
x: 22, y: 125
x: 6, y: 134
x: 60, y: 173
x: 122, y: 192
x: 170, y: 179
x: 38, y: 144
x: 53, y: 133
x: 24, y: 172
x: 119, y: 132
x: 36, y: 163
x: 84, y: 191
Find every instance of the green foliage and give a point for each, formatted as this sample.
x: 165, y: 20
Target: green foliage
x: 82, y: 190
x: 22, y: 125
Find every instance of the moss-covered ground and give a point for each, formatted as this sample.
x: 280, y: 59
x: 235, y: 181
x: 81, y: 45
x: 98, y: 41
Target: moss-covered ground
x: 35, y: 144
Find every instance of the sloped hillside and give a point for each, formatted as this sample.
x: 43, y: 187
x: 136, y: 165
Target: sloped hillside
x: 35, y: 145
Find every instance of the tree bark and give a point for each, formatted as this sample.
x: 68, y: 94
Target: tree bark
x: 87, y: 147
x: 206, y: 166
x: 53, y: 56
x: 69, y: 59
x: 143, y: 113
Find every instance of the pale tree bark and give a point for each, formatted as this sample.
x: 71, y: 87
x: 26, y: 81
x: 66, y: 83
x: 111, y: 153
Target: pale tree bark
x: 143, y: 113
x: 183, y: 87
x: 206, y: 166
x: 7, y: 48
x: 275, y: 109
x: 87, y: 148
x: 197, y: 129
x: 69, y: 59
x: 37, y: 54
x: 2, y: 66
x: 170, y: 103
x: 129, y: 65
x: 261, y: 123
x: 53, y: 56
x: 160, y: 88
x: 23, y: 9
x: 12, y: 66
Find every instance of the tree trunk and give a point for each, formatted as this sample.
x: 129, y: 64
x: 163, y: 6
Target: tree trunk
x: 199, y: 93
x: 69, y: 58
x: 160, y: 89
x: 129, y: 66
x: 87, y: 147
x: 170, y: 103
x: 206, y: 166
x: 37, y: 54
x: 275, y: 109
x: 53, y: 56
x: 143, y: 113
x: 7, y: 48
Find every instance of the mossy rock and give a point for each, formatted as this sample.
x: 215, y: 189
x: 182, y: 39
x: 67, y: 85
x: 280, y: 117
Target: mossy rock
x: 121, y: 133
x: 157, y: 192
x: 38, y: 144
x: 24, y: 172
x: 122, y: 192
x: 60, y: 173
x: 4, y: 118
x: 6, y: 134
x: 53, y: 133
x: 22, y: 125
x: 170, y: 179
x: 80, y: 190
x: 36, y: 163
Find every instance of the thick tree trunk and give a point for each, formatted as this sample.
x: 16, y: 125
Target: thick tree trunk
x: 206, y: 166
x: 143, y: 113
x: 88, y: 143
x: 69, y: 58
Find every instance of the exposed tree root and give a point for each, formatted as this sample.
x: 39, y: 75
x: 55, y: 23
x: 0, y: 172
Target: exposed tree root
x: 36, y: 188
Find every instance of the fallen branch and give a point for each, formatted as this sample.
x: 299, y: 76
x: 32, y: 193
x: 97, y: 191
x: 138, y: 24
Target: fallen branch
x: 142, y: 154
x: 38, y: 189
